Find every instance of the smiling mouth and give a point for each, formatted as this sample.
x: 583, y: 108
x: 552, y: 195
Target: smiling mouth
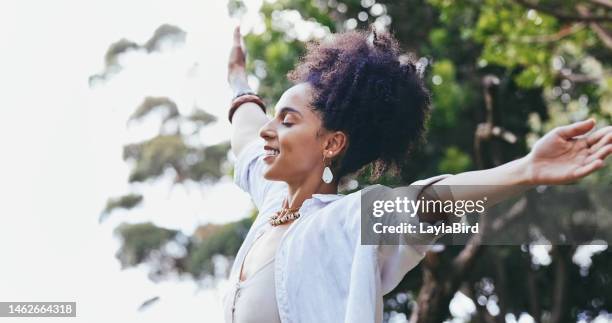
x: 271, y: 152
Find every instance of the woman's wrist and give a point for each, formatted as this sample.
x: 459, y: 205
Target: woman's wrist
x: 524, y: 170
x: 239, y: 101
x: 518, y: 172
x: 239, y: 84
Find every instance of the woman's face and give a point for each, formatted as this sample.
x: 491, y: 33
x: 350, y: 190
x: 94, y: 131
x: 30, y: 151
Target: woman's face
x: 293, y: 149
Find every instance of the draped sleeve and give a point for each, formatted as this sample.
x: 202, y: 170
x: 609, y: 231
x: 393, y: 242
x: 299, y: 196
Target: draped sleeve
x: 395, y: 261
x: 248, y: 172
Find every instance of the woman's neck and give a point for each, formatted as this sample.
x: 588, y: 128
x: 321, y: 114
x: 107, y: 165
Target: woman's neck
x: 299, y: 192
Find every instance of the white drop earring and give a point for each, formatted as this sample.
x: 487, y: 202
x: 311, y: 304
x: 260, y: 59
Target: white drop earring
x: 327, y: 173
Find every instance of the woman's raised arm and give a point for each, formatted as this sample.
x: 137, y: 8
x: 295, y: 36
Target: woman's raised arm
x: 564, y: 155
x: 249, y: 117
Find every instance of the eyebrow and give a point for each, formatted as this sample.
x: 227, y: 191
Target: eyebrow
x: 289, y: 109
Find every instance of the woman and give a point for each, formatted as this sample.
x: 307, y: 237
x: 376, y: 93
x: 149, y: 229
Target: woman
x: 354, y: 103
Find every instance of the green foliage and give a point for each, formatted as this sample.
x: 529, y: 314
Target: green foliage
x: 118, y: 48
x: 150, y: 104
x: 165, y: 33
x: 173, y: 150
x: 513, y: 37
x: 213, y: 240
x: 202, y: 118
x: 208, y: 163
x: 139, y: 241
x: 278, y: 55
x: 145, y: 243
x: 448, y: 96
x: 163, y: 36
x: 127, y: 202
x: 236, y: 8
x: 154, y: 156
x: 455, y: 161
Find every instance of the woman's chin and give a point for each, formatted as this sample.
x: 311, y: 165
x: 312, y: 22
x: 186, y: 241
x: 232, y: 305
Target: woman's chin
x: 271, y: 174
x: 268, y: 173
x: 269, y: 168
x: 271, y: 177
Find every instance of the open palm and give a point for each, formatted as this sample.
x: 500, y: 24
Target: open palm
x: 564, y: 155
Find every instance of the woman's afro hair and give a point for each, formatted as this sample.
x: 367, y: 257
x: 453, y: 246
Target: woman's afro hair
x: 363, y: 88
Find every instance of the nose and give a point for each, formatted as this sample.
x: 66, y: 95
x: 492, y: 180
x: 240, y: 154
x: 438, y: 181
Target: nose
x: 267, y: 131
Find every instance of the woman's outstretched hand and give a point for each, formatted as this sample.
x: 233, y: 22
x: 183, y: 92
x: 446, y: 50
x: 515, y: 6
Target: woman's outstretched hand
x: 565, y: 155
x: 236, y: 68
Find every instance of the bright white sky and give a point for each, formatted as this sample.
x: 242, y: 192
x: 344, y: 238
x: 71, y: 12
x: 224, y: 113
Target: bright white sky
x: 62, y: 142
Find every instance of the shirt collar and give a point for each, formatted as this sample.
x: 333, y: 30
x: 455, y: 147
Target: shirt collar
x: 320, y: 199
x: 325, y: 198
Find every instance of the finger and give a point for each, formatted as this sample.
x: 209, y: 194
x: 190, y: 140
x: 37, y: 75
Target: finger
x: 595, y: 136
x: 576, y: 129
x: 237, y: 36
x: 588, y: 168
x: 604, y: 139
x: 601, y: 153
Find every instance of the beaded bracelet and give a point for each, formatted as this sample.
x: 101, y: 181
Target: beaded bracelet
x: 241, y: 99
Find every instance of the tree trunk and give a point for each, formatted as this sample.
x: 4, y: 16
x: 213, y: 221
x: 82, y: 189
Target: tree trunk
x: 561, y: 256
x: 433, y: 299
x: 534, y: 296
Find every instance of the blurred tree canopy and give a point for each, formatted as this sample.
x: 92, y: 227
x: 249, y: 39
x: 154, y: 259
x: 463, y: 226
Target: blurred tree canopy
x: 502, y: 73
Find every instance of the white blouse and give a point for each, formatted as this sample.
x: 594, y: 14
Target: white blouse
x: 322, y: 272
x: 255, y: 298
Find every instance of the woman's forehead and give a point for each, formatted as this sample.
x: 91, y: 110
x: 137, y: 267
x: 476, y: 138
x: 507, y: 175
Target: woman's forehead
x: 298, y: 97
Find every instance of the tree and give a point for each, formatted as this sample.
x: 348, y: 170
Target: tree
x: 177, y: 151
x: 502, y: 73
x: 494, y: 66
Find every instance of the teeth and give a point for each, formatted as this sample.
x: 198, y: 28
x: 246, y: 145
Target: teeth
x: 271, y: 152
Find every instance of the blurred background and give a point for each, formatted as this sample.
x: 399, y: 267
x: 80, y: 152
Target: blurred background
x: 116, y: 174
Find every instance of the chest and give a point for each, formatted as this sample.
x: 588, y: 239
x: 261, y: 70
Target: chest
x: 262, y: 250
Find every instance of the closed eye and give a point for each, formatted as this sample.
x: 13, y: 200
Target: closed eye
x: 285, y: 114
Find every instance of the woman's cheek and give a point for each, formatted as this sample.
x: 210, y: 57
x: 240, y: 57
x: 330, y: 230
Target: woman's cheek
x: 298, y: 151
x: 289, y: 158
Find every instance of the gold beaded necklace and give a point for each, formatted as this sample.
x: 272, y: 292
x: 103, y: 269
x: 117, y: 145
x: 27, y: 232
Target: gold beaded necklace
x: 285, y: 214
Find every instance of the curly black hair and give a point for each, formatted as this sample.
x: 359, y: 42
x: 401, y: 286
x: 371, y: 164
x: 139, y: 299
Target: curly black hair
x: 363, y: 88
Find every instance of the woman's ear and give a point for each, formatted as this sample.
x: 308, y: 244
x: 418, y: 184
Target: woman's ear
x: 336, y: 142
